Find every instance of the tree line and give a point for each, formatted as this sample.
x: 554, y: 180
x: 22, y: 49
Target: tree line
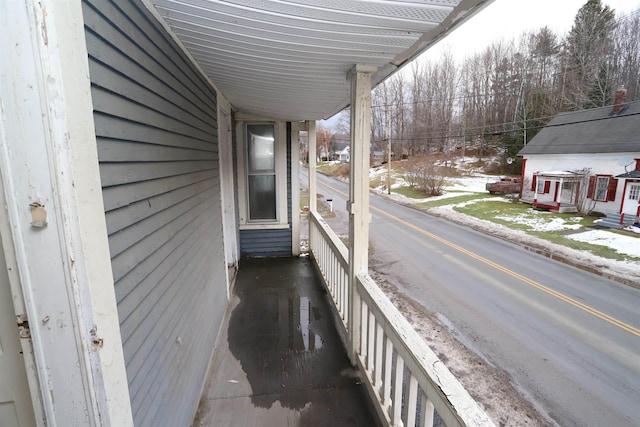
x: 498, y: 99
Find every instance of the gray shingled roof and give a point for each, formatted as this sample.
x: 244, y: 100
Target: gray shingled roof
x: 589, y: 131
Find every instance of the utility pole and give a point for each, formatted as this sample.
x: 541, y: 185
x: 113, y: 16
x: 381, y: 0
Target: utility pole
x: 388, y: 112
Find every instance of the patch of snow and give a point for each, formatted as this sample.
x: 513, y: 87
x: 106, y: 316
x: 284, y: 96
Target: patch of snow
x: 399, y: 182
x: 474, y: 184
x: 373, y: 172
x: 540, y: 223
x: 627, y: 245
x: 633, y: 229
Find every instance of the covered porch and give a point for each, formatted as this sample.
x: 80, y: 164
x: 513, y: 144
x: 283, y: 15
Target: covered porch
x: 558, y: 190
x: 299, y: 347
x: 279, y: 359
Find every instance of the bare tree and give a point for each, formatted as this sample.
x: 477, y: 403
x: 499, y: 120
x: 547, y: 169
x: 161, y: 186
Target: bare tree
x: 627, y: 54
x: 323, y: 142
x: 423, y: 175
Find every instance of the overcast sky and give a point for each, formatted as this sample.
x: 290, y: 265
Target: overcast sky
x: 507, y: 19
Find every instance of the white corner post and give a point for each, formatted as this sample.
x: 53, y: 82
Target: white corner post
x: 358, y: 205
x: 227, y: 195
x: 313, y: 178
x: 52, y: 219
x: 296, y: 127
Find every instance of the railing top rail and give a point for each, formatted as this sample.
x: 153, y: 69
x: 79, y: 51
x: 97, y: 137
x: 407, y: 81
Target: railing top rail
x: 452, y: 401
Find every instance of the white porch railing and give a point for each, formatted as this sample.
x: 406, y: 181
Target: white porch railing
x: 404, y: 378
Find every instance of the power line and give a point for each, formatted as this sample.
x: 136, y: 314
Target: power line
x: 501, y: 132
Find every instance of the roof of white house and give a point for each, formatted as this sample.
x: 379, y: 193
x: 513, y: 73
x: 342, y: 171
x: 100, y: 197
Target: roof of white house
x: 598, y: 130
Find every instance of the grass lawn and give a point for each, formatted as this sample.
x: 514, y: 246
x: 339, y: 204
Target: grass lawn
x: 410, y: 192
x: 453, y: 200
x: 323, y: 206
x: 523, y: 217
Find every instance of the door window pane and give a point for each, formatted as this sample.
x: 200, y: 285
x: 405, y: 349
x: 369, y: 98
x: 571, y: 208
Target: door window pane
x: 262, y: 197
x: 261, y: 148
x: 261, y: 172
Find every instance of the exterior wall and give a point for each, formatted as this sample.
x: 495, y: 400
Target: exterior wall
x: 156, y: 130
x: 599, y: 164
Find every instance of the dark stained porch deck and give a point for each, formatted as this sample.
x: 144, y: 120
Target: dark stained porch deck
x: 279, y: 360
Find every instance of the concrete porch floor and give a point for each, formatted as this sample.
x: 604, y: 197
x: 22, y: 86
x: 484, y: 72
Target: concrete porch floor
x: 279, y: 360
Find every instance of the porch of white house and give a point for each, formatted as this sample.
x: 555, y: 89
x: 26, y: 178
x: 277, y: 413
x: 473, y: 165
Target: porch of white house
x: 557, y: 191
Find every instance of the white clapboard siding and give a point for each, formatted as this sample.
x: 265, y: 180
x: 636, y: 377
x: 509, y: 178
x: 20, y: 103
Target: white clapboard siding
x: 155, y: 119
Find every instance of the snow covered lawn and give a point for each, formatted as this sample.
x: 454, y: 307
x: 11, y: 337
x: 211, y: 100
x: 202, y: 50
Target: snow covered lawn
x: 628, y: 245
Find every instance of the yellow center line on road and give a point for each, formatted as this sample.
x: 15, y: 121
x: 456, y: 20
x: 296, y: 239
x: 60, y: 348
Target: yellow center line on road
x: 631, y: 329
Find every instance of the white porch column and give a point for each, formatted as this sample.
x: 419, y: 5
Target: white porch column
x: 296, y: 127
x: 52, y: 219
x: 560, y: 192
x: 313, y: 179
x: 358, y: 207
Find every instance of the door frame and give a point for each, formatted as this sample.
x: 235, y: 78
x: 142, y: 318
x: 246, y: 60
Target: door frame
x: 53, y: 224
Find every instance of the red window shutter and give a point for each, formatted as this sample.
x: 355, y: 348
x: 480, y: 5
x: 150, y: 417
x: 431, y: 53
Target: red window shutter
x: 611, y: 190
x: 592, y: 187
x: 547, y: 187
x: 534, y: 182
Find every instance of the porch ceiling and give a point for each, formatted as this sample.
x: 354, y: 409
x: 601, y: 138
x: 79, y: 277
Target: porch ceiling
x: 288, y: 59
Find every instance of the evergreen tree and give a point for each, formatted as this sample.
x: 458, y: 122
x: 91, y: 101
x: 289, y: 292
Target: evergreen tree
x: 589, y: 47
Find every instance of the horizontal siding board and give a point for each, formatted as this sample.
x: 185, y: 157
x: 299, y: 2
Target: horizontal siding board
x: 116, y: 129
x: 201, y: 87
x: 134, y: 42
x: 135, y: 289
x: 115, y: 105
x: 265, y: 242
x: 159, y: 37
x: 137, y: 231
x: 155, y: 120
x: 150, y: 92
x: 145, y: 337
x: 125, y: 173
x: 142, y: 250
x: 119, y: 196
x: 123, y: 217
x: 148, y: 396
x: 114, y: 150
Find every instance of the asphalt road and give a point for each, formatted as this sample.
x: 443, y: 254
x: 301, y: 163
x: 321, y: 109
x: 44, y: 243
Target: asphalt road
x: 570, y: 340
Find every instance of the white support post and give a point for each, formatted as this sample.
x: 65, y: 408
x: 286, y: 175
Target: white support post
x: 296, y: 127
x: 313, y: 179
x: 52, y: 218
x: 358, y: 205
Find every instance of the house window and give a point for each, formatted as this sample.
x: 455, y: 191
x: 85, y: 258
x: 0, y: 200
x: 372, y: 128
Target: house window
x: 602, y: 184
x: 261, y: 172
x: 634, y: 192
x: 540, y: 186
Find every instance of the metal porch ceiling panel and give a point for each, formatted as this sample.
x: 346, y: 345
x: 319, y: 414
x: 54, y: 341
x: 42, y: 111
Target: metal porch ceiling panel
x: 288, y: 59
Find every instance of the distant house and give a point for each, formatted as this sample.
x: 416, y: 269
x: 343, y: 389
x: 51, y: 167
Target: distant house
x: 342, y: 152
x: 377, y: 157
x: 590, y: 157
